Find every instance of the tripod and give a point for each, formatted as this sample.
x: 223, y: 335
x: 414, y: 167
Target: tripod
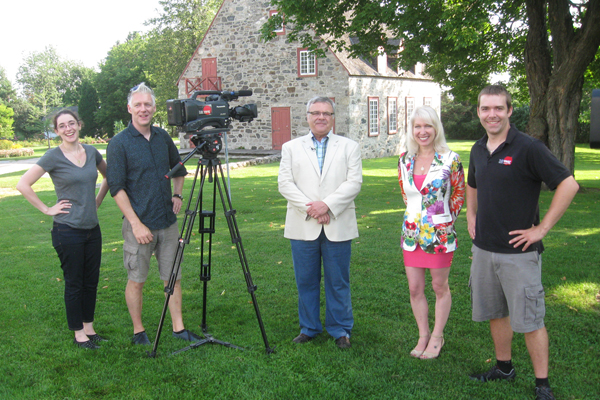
x: 209, y: 166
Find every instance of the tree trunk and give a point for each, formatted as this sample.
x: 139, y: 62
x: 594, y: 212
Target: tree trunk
x: 538, y: 66
x: 556, y: 77
x: 562, y: 113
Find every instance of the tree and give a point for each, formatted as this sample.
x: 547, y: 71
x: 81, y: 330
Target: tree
x: 74, y: 77
x: 40, y: 78
x: 88, y: 106
x: 462, y: 42
x: 6, y: 121
x: 125, y: 66
x: 7, y: 93
x: 172, y: 41
x: 28, y: 119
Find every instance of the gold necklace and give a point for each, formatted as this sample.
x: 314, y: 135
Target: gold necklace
x: 75, y: 155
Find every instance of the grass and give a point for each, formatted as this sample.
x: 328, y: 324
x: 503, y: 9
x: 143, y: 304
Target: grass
x: 40, y: 362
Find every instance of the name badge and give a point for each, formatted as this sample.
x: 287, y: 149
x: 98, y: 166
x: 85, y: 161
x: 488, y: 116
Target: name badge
x: 441, y: 218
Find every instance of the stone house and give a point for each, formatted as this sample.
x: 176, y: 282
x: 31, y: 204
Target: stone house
x: 373, y: 101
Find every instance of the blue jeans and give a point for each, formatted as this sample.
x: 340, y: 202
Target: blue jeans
x: 80, y: 252
x: 307, y: 256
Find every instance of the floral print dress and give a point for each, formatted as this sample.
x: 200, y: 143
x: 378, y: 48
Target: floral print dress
x: 432, y: 208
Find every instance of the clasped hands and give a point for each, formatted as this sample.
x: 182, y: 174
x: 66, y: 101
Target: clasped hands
x: 319, y: 211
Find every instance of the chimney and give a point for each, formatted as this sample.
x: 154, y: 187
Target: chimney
x: 382, y: 64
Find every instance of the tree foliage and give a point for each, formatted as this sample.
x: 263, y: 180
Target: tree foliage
x: 174, y: 36
x: 47, y: 82
x: 6, y: 121
x: 7, y: 93
x: 157, y: 58
x: 125, y: 66
x: 76, y: 76
x: 42, y: 79
x: 27, y: 119
x: 463, y: 42
x: 88, y: 106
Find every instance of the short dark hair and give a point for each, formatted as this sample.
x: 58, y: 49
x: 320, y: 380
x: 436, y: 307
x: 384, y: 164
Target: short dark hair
x: 495, y: 90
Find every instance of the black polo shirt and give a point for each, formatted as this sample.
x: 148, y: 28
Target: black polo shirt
x: 508, y: 184
x: 139, y: 166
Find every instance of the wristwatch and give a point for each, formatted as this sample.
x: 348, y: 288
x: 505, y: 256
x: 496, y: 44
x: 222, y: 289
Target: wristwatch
x: 180, y: 197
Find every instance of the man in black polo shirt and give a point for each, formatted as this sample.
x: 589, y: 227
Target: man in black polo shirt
x: 506, y: 171
x: 140, y: 156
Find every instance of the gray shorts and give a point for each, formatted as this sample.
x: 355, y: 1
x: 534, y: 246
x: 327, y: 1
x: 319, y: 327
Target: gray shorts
x: 505, y: 285
x: 136, y: 257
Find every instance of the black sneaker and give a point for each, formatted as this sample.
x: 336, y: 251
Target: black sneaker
x: 140, y: 338
x: 544, y: 393
x: 97, y: 339
x: 187, y: 335
x: 494, y: 374
x: 89, y: 345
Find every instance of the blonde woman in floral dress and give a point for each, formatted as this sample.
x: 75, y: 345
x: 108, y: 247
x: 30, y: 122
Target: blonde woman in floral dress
x: 432, y: 181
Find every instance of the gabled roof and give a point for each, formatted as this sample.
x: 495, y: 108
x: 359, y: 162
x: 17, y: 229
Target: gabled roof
x: 362, y: 66
x: 354, y: 66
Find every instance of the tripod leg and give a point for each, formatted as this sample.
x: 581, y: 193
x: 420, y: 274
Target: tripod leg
x: 184, y: 238
x: 207, y: 227
x: 237, y: 240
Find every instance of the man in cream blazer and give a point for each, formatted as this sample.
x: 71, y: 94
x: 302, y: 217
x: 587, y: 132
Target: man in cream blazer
x: 320, y: 175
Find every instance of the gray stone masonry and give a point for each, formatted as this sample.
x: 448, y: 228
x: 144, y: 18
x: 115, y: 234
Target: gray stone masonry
x: 270, y: 70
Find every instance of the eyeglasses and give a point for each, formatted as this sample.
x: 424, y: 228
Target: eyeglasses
x: 70, y: 124
x: 133, y: 89
x: 319, y: 113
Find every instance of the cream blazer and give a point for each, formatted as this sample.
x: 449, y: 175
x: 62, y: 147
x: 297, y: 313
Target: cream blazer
x: 300, y: 182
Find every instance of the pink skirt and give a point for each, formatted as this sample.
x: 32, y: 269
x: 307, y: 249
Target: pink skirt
x: 419, y: 259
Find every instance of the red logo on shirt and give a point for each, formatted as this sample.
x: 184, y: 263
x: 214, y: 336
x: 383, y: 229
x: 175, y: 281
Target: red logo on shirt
x: 506, y: 161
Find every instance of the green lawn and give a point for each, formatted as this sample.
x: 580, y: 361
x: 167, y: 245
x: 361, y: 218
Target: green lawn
x: 40, y: 361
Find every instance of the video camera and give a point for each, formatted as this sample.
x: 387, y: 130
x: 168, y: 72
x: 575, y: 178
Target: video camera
x: 194, y: 115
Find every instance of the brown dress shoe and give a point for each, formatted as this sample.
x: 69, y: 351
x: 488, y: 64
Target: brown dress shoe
x: 343, y: 342
x: 302, y: 338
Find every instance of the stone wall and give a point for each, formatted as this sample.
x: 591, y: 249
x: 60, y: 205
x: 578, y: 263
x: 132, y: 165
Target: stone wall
x: 270, y: 70
x: 361, y: 88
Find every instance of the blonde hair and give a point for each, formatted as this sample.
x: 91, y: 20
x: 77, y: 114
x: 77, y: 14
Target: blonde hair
x: 429, y: 116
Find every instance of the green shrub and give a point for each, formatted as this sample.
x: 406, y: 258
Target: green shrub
x: 5, y: 144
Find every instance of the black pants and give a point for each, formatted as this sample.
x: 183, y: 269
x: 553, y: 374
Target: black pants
x: 80, y: 252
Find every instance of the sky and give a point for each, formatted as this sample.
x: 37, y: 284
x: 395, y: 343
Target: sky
x: 79, y: 30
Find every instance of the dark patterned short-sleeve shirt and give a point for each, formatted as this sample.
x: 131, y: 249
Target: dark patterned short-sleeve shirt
x: 139, y: 166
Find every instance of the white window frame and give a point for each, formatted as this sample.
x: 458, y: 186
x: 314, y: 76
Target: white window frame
x: 410, y: 108
x: 373, y: 112
x: 307, y: 63
x: 392, y: 115
x: 280, y: 31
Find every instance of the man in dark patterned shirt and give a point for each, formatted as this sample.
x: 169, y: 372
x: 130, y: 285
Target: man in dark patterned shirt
x: 140, y: 156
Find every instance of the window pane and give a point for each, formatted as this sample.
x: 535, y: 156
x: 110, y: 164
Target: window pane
x: 393, y: 115
x: 307, y: 63
x: 373, y: 116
